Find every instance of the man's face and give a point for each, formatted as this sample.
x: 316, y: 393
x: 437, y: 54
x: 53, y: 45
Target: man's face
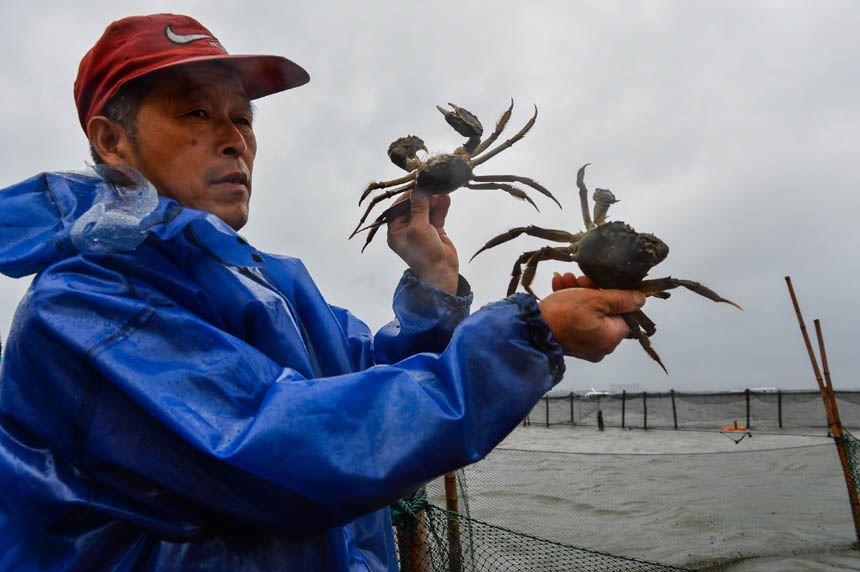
x: 194, y: 140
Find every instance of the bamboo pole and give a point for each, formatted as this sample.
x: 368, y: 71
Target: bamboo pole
x: 811, y: 353
x: 452, y: 504
x: 414, y: 544
x: 832, y: 411
x: 836, y: 430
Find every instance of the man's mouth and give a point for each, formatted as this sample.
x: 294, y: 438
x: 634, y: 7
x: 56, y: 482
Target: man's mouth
x: 233, y: 178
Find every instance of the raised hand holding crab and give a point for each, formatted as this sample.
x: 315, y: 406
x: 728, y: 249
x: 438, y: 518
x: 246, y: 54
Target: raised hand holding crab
x: 446, y: 173
x: 611, y: 254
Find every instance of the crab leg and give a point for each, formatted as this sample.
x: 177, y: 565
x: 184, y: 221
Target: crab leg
x: 643, y: 339
x: 495, y: 151
x: 546, y: 253
x: 500, y: 126
x: 531, y: 230
x: 378, y: 198
x: 384, y: 185
x: 583, y: 196
x: 398, y: 209
x: 516, y: 179
x: 515, y: 192
x: 647, y: 324
x: 661, y: 284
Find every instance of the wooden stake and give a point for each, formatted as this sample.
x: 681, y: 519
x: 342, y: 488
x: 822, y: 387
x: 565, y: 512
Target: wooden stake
x: 837, y: 429
x: 414, y: 546
x: 832, y: 411
x: 809, y: 350
x: 451, y: 503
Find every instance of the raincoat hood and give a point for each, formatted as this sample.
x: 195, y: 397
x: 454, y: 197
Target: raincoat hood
x: 53, y: 216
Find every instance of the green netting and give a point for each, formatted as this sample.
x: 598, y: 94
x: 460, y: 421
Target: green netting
x: 712, y: 511
x: 450, y: 542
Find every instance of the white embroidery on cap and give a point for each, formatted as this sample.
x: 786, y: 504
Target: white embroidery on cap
x: 183, y: 39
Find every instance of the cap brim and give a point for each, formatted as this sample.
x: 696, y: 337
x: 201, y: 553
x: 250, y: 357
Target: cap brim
x: 265, y: 75
x: 260, y: 75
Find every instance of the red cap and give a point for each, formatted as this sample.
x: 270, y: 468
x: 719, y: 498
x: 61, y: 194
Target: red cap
x: 138, y: 45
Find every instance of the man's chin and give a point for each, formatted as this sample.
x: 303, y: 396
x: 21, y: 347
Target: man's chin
x: 235, y: 218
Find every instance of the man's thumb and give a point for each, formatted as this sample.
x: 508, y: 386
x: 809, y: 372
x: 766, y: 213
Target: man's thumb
x: 420, y: 204
x: 623, y: 301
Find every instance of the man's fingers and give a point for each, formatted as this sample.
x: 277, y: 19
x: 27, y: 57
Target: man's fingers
x: 622, y: 301
x: 586, y: 282
x: 420, y: 206
x: 439, y: 205
x: 569, y: 280
x: 398, y: 222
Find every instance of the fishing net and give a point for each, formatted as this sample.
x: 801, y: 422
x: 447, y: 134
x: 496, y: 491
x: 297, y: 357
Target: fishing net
x: 759, y: 409
x: 738, y: 510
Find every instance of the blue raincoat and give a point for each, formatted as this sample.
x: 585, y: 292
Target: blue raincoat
x: 190, y: 403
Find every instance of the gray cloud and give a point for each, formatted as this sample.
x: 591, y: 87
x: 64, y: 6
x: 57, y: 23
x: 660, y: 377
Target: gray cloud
x: 728, y: 129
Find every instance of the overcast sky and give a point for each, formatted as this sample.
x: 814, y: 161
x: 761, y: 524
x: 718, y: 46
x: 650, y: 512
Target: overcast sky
x: 726, y: 128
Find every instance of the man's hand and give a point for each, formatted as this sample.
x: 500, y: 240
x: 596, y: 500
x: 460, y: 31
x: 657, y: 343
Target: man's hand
x: 569, y: 280
x: 584, y: 320
x: 419, y: 238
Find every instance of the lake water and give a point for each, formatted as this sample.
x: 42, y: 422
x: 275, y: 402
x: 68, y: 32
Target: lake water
x: 770, y: 501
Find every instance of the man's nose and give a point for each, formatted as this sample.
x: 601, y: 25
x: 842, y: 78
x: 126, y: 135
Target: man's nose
x: 231, y: 141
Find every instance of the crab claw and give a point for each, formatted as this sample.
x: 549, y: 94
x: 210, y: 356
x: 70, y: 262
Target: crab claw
x: 403, y: 152
x: 463, y: 121
x: 603, y: 198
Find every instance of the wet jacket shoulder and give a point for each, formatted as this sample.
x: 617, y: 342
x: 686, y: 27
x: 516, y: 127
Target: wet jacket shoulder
x: 169, y: 395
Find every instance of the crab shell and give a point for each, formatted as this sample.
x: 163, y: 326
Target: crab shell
x: 616, y: 256
x: 443, y: 174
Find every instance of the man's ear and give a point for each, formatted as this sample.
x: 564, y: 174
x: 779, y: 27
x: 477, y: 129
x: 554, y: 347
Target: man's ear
x: 110, y: 141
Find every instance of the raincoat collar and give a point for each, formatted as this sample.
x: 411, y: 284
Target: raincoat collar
x: 38, y: 216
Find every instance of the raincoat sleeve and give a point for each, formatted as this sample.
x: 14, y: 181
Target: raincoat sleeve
x: 181, y: 433
x: 424, y: 320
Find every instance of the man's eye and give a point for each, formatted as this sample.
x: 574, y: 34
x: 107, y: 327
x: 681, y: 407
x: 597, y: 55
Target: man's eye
x: 245, y: 121
x: 199, y: 113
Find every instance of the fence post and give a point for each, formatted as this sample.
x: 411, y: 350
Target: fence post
x: 748, y: 408
x: 571, y: 409
x: 452, y: 505
x: 674, y: 412
x: 623, y: 404
x: 779, y: 406
x: 546, y: 401
x: 645, y: 409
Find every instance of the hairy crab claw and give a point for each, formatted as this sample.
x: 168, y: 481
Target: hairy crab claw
x: 448, y: 172
x: 611, y: 254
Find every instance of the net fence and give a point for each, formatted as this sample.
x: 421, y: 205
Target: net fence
x: 738, y: 510
x: 768, y: 409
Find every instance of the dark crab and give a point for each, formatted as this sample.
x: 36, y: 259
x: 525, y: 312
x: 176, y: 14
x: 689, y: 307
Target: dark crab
x: 611, y: 254
x: 445, y: 173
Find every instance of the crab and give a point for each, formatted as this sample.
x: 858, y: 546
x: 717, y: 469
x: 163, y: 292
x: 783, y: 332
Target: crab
x: 612, y: 254
x: 445, y: 173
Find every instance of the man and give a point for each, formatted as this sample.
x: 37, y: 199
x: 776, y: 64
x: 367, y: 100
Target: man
x: 173, y: 399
